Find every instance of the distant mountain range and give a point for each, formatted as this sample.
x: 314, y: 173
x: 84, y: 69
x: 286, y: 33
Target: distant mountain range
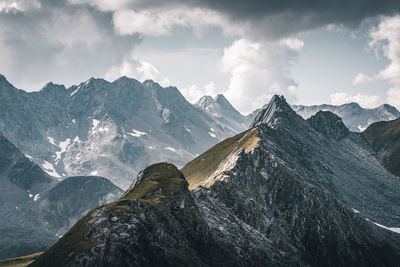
x: 36, y: 209
x: 286, y: 192
x: 115, y: 129
x: 356, y: 118
x: 108, y: 129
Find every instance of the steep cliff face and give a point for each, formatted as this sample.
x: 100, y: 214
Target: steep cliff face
x: 287, y: 192
x: 385, y: 139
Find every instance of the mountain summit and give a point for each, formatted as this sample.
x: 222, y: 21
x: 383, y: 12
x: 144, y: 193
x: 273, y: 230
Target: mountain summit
x: 276, y: 113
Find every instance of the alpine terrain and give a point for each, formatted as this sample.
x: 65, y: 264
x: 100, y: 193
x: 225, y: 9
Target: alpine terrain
x: 36, y: 208
x: 112, y: 129
x: 385, y: 139
x: 286, y: 192
x: 356, y: 118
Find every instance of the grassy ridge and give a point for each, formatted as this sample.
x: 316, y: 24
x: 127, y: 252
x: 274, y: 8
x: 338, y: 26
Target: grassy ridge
x: 20, y: 261
x: 197, y: 170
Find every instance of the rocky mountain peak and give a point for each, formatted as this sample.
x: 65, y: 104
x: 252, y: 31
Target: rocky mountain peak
x: 354, y: 105
x: 389, y: 109
x: 6, y: 86
x: 3, y: 79
x: 161, y: 179
x: 204, y: 101
x: 329, y: 124
x: 277, y: 111
x: 221, y: 99
x: 54, y: 88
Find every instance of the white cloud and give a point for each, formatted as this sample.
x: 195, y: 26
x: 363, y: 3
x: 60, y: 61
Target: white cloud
x: 135, y: 68
x: 385, y: 38
x: 260, y: 70
x: 362, y: 78
x: 293, y: 43
x: 366, y: 101
x: 194, y: 92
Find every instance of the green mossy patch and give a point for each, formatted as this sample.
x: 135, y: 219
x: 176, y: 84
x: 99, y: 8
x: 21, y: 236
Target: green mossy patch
x: 157, y: 180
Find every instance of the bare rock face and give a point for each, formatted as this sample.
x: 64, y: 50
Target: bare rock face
x: 384, y: 137
x: 329, y: 125
x: 283, y: 193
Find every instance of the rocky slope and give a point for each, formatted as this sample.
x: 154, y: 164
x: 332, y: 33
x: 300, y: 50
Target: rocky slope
x: 385, y: 139
x: 356, y: 118
x: 287, y: 192
x: 223, y: 112
x: 36, y: 208
x: 109, y: 129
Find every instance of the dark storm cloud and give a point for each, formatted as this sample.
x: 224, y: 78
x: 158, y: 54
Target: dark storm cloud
x: 285, y: 17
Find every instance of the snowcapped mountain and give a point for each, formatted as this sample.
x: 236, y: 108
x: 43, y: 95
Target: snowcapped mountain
x: 356, y: 118
x: 223, y: 112
x: 111, y: 129
x: 36, y: 209
x: 286, y: 192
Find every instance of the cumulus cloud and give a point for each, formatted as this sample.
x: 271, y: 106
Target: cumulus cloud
x: 366, y: 101
x: 135, y: 68
x: 361, y: 78
x: 260, y: 70
x: 385, y: 39
x: 194, y: 92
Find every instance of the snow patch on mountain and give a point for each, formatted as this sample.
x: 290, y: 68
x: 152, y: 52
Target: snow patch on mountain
x: 49, y: 168
x: 170, y: 148
x: 136, y: 133
x: 63, y: 146
x: 37, y: 196
x: 212, y: 134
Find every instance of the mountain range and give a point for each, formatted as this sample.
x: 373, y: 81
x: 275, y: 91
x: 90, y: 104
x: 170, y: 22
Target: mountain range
x: 115, y: 129
x: 37, y: 209
x: 356, y: 118
x: 285, y: 192
x: 108, y: 129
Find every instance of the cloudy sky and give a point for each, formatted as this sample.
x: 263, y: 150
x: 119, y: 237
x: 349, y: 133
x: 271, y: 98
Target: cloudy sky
x: 312, y: 51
